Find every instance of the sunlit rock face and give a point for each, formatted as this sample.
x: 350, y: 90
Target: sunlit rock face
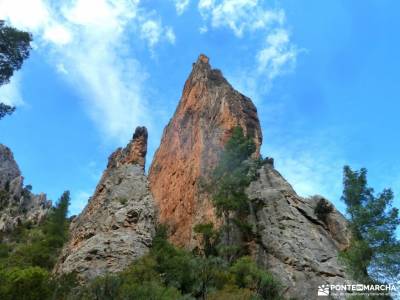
x: 117, y: 225
x: 296, y: 246
x: 206, y: 114
x: 18, y: 205
x: 292, y: 242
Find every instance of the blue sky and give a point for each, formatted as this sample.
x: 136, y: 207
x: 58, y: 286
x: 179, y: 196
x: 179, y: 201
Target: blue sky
x: 323, y: 75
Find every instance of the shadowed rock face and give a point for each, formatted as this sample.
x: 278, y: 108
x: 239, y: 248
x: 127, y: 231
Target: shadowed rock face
x: 208, y: 111
x: 294, y: 244
x: 17, y: 204
x: 117, y: 225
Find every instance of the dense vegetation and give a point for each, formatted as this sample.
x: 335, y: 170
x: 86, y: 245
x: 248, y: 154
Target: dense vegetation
x: 374, y: 254
x: 216, y: 270
x: 220, y: 268
x: 14, y: 49
x: 29, y: 254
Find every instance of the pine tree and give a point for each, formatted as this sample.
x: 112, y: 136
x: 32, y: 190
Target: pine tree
x: 229, y: 181
x: 14, y: 49
x: 374, y: 253
x: 56, y: 226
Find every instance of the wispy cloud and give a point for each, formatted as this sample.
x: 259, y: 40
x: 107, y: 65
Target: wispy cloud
x: 239, y: 15
x: 86, y: 41
x: 181, y: 6
x: 78, y: 202
x: 312, y: 164
x: 10, y: 93
x: 277, y: 54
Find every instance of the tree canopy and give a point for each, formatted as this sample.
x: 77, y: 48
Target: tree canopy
x: 14, y: 49
x: 374, y: 253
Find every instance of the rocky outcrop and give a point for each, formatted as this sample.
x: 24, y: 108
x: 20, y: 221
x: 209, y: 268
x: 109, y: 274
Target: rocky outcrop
x: 294, y: 244
x: 18, y: 205
x: 208, y: 111
x: 117, y: 225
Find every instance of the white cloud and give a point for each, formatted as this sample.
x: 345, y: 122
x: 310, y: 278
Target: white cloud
x: 181, y: 6
x: 203, y: 29
x: 239, y: 15
x: 61, y: 69
x: 27, y: 15
x: 10, y: 93
x: 87, y: 41
x: 170, y: 35
x: 78, y: 202
x: 152, y: 31
x: 310, y: 167
x: 278, y: 56
x: 58, y: 35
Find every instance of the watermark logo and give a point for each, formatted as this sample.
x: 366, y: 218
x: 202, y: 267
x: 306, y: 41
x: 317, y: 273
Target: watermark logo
x: 323, y: 290
x: 356, y: 289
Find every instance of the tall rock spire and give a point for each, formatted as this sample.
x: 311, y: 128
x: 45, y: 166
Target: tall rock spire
x: 207, y: 112
x: 117, y: 225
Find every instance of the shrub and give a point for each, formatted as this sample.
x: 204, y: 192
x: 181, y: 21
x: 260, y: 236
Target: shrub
x: 30, y: 283
x: 323, y: 209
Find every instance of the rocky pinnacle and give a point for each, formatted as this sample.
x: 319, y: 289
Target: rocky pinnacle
x: 207, y: 112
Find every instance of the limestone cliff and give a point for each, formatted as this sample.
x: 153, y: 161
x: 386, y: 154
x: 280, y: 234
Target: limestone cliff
x: 300, y: 249
x: 208, y: 111
x: 18, y: 204
x: 292, y: 242
x: 117, y: 225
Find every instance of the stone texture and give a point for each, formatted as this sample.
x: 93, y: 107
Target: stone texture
x: 117, y: 225
x: 293, y: 243
x: 208, y: 111
x: 17, y: 204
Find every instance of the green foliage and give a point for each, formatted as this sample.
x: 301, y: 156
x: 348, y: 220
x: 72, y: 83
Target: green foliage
x: 41, y: 245
x: 209, y: 238
x: 232, y: 293
x: 229, y: 180
x: 14, y: 49
x: 248, y: 275
x: 56, y: 226
x: 6, y: 110
x: 323, y: 209
x: 375, y: 252
x: 168, y: 272
x: 30, y: 283
x: 29, y: 255
x: 4, y: 198
x: 122, y: 200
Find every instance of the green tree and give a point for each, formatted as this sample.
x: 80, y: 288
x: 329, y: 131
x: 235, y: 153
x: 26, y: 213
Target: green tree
x: 40, y: 246
x: 30, y: 283
x: 14, y: 49
x: 374, y: 253
x: 230, y: 179
x: 209, y: 238
x: 6, y: 110
x: 248, y: 275
x: 56, y: 225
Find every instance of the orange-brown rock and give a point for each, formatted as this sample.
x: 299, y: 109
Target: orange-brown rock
x: 135, y: 151
x: 208, y: 111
